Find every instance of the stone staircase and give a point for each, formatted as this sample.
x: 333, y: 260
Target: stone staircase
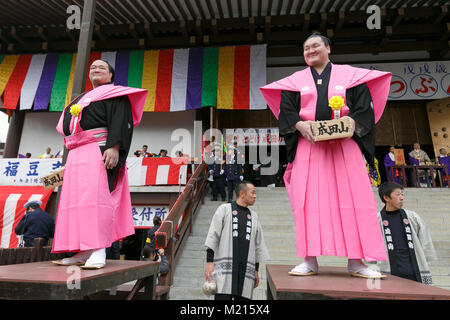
x: 274, y: 211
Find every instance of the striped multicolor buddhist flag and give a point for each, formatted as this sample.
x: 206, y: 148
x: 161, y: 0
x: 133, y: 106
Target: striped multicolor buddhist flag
x: 176, y: 79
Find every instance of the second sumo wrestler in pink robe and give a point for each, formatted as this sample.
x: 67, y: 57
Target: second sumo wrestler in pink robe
x: 327, y: 184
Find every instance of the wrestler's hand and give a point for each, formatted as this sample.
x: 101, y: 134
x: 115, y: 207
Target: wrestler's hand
x: 111, y: 157
x: 256, y: 280
x: 209, y: 269
x: 304, y: 127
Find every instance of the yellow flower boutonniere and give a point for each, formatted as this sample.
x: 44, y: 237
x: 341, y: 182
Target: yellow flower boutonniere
x: 336, y: 102
x: 75, y: 110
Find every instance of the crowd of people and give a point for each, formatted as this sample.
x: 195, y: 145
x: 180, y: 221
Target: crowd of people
x: 340, y: 220
x: 416, y: 157
x: 143, y: 152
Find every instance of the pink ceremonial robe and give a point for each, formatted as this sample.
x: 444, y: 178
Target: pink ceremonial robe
x: 327, y: 184
x: 89, y: 216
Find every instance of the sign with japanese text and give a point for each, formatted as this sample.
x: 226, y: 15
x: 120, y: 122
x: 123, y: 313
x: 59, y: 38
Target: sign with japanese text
x: 151, y: 171
x: 416, y: 80
x: 143, y: 215
x: 253, y: 136
x: 332, y: 129
x: 54, y: 179
x: 26, y: 172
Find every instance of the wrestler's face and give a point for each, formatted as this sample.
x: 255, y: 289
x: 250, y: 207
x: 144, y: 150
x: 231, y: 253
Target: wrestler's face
x: 391, y: 149
x: 395, y: 201
x: 315, y: 52
x: 99, y: 73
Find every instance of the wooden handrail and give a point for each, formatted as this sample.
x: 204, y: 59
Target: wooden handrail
x: 171, y: 236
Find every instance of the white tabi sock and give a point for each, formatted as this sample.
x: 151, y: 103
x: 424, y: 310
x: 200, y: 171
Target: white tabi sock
x: 309, y: 265
x: 97, y: 259
x: 357, y: 266
x: 80, y: 257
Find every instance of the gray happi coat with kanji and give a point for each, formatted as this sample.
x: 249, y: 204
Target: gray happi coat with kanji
x: 220, y: 240
x: 423, y: 246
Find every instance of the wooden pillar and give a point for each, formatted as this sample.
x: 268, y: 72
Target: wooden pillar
x: 14, y: 134
x: 84, y: 47
x: 81, y: 64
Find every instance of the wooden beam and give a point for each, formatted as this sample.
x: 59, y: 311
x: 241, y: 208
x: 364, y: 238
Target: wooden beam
x: 138, y: 13
x: 183, y: 29
x: 240, y: 9
x: 161, y: 10
x: 198, y: 28
x: 84, y: 48
x: 442, y: 15
x: 172, y: 10
x: 445, y: 35
x: 309, y: 6
x: 251, y: 26
x: 269, y: 8
x: 355, y: 4
x: 98, y: 32
x: 306, y: 22
x: 219, y: 7
x: 214, y: 28
x: 70, y: 35
x: 267, y: 20
x: 341, y: 20
x: 385, y: 39
x: 289, y: 7
x: 132, y: 30
x: 230, y: 8
x: 2, y: 36
x: 338, y: 7
x: 14, y: 134
x: 40, y: 32
x: 399, y: 18
x: 323, y: 21
x: 328, y: 6
x: 259, y: 8
x: 148, y: 31
x: 157, y: 15
x: 181, y: 10
x: 210, y: 9
x: 280, y: 5
x: 14, y: 34
x: 319, y: 6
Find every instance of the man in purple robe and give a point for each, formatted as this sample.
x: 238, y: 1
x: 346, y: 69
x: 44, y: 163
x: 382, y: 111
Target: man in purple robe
x: 444, y: 159
x: 389, y: 161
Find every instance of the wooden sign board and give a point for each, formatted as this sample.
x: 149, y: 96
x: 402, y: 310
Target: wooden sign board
x: 54, y: 179
x: 331, y: 129
x: 399, y: 156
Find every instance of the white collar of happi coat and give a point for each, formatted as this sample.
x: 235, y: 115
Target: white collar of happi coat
x: 392, y: 156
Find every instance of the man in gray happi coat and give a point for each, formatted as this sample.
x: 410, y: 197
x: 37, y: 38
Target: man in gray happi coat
x: 235, y: 246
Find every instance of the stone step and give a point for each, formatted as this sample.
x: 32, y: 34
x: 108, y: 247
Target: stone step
x: 275, y: 214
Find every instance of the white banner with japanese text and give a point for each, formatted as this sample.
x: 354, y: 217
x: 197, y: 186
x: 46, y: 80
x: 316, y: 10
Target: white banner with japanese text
x: 416, y: 80
x: 143, y: 215
x: 26, y: 172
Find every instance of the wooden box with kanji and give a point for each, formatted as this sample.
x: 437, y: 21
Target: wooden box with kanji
x: 331, y: 129
x: 54, y: 179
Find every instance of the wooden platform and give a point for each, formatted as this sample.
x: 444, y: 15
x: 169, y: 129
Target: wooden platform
x: 336, y: 283
x: 45, y: 280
